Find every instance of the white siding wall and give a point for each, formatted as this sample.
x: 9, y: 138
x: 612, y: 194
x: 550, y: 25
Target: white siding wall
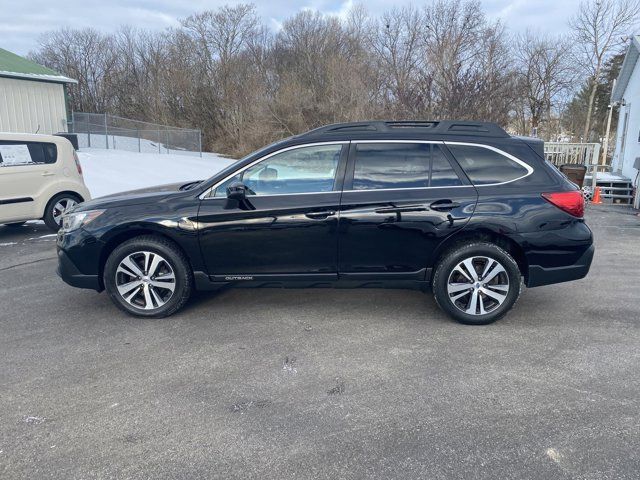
x: 624, y: 156
x: 27, y: 104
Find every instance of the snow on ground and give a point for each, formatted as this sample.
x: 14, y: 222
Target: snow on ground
x: 112, y: 171
x: 135, y: 144
x: 607, y: 177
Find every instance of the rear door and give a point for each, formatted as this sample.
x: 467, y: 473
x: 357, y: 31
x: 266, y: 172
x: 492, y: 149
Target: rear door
x: 25, y: 168
x: 401, y: 199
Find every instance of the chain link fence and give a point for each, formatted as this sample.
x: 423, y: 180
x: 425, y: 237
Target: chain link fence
x: 101, y: 130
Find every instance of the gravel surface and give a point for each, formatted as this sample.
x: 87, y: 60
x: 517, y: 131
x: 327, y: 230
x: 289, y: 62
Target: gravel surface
x: 321, y: 383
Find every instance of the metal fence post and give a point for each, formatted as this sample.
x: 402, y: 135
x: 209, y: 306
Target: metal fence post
x: 200, y: 142
x: 138, y: 135
x: 158, y: 141
x: 88, y: 132
x: 106, y: 133
x: 594, y: 161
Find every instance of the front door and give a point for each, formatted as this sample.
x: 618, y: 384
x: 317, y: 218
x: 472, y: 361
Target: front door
x: 288, y: 225
x: 401, y: 199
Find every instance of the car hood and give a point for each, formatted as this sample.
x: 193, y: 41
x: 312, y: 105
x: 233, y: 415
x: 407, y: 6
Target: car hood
x: 136, y: 197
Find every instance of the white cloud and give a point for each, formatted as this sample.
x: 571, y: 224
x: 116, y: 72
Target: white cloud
x: 30, y: 18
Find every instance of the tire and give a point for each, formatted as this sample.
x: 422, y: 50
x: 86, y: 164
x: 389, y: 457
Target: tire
x: 53, y: 214
x: 148, y: 293
x: 15, y: 224
x: 452, y: 274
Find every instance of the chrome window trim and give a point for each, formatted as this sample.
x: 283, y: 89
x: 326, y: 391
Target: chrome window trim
x: 398, y: 141
x: 205, y: 195
x: 409, y: 188
x: 526, y: 166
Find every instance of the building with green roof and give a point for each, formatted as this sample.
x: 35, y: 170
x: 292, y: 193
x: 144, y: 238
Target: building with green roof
x: 32, y: 97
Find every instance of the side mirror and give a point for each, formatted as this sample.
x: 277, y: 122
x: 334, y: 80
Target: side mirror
x: 237, y: 191
x: 237, y: 197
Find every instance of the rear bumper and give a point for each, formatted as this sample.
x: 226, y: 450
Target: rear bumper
x: 539, y: 275
x: 71, y: 275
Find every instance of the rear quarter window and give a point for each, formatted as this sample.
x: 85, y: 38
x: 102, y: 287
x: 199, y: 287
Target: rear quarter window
x: 27, y: 153
x: 484, y: 166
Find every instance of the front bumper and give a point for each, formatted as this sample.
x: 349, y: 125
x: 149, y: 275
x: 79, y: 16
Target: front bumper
x: 71, y: 275
x: 539, y: 276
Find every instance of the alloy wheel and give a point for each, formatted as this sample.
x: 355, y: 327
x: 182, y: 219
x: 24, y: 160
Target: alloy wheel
x: 145, y: 280
x: 478, y: 285
x: 61, y: 207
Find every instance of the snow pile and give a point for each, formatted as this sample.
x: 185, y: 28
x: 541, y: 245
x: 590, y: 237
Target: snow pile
x: 112, y: 171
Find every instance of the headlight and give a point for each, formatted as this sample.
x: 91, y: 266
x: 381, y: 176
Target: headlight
x: 74, y: 220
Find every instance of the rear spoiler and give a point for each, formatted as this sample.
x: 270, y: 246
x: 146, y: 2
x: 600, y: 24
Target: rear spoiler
x: 534, y: 144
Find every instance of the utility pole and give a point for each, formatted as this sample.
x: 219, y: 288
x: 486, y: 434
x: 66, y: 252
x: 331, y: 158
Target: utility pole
x: 605, y: 143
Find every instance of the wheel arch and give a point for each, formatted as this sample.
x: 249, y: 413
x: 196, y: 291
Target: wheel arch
x: 62, y: 192
x: 484, y: 235
x: 128, y: 234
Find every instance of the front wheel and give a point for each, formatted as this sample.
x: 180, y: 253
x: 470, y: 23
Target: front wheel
x: 148, y: 276
x: 477, y: 284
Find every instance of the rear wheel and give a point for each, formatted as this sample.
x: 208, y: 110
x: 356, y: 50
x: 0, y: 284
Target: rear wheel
x: 57, y: 207
x: 477, y: 284
x: 148, y: 276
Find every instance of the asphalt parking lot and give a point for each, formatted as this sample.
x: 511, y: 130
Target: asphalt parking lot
x: 321, y: 383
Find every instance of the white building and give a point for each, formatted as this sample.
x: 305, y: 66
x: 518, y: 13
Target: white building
x: 32, y: 97
x: 627, y: 94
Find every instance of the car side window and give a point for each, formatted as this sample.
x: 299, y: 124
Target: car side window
x: 391, y: 165
x: 442, y: 173
x: 309, y: 169
x: 401, y: 165
x: 16, y: 153
x: 484, y: 166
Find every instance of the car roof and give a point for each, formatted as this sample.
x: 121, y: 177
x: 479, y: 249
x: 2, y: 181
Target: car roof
x: 30, y: 137
x: 431, y: 129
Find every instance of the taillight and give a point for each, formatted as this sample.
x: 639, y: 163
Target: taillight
x: 571, y: 202
x: 78, y: 166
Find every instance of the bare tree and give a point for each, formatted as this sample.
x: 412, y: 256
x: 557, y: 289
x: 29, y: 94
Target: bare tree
x: 85, y: 55
x: 222, y: 38
x: 468, y: 61
x: 317, y: 67
x: 398, y: 48
x: 599, y: 27
x: 226, y: 72
x: 545, y: 74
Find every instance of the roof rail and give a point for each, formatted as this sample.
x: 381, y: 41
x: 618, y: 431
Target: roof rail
x: 442, y: 127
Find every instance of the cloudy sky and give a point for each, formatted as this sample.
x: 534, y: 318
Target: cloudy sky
x: 23, y: 21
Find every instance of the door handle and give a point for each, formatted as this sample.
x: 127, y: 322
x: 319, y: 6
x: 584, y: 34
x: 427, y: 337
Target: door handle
x: 444, y: 205
x: 405, y: 208
x: 320, y: 215
x: 47, y: 174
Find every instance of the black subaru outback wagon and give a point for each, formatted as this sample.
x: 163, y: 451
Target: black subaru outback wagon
x: 462, y: 208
